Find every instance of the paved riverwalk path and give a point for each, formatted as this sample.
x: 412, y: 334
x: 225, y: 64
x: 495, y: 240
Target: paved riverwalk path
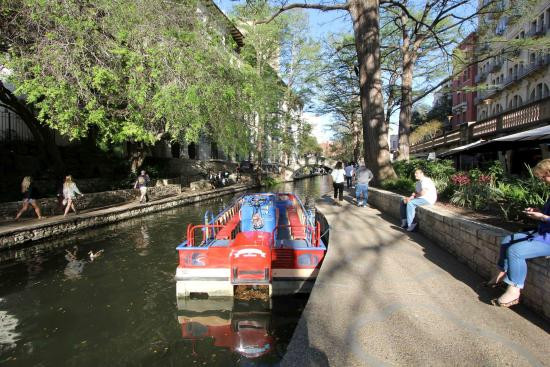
x: 386, y: 297
x: 25, y: 231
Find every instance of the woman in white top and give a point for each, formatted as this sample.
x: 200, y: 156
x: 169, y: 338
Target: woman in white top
x: 338, y: 178
x: 69, y: 194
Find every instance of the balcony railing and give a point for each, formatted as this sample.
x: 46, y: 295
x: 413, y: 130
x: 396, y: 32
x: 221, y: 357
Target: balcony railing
x: 481, y: 77
x: 486, y: 94
x: 496, y: 66
x: 537, y: 64
x: 460, y: 106
x: 509, y: 80
x: 521, y: 118
x: 536, y: 32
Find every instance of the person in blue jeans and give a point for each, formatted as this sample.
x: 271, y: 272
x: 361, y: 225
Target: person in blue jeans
x: 363, y: 177
x: 516, y: 248
x: 425, y: 194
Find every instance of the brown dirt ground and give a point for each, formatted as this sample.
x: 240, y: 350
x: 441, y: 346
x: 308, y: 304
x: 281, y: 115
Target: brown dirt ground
x: 488, y: 218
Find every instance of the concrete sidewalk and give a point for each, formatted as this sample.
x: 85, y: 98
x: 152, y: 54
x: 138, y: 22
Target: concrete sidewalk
x: 14, y: 233
x: 388, y: 297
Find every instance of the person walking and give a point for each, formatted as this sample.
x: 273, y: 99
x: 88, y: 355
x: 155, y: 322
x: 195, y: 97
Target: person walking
x: 28, y: 192
x: 70, y: 190
x: 363, y: 177
x: 141, y: 184
x: 338, y: 175
x: 516, y: 248
x: 349, y: 171
x: 425, y: 194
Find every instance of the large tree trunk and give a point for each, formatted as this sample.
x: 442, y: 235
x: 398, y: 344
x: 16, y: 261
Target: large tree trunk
x: 136, y: 154
x: 356, y: 137
x: 43, y: 136
x: 365, y: 18
x: 405, y: 111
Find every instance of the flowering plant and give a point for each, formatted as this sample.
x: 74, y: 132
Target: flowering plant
x: 485, y: 179
x: 460, y: 179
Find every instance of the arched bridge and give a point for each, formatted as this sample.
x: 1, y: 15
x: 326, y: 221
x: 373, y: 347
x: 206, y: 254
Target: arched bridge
x: 307, y: 165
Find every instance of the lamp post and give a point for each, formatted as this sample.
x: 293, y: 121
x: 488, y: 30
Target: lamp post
x: 450, y: 117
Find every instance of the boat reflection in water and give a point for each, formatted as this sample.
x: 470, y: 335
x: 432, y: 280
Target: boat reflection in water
x: 251, y: 329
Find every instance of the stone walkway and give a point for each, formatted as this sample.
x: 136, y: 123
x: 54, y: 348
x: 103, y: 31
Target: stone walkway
x: 388, y: 297
x: 14, y: 233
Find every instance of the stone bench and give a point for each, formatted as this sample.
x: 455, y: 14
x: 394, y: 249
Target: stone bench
x: 473, y: 243
x: 50, y: 206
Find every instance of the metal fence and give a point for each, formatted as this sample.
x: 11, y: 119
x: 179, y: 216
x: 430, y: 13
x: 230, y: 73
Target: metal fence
x: 13, y: 129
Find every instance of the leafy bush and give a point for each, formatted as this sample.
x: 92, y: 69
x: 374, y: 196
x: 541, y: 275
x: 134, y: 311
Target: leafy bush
x: 401, y: 185
x: 518, y: 194
x: 437, y: 170
x: 476, y: 189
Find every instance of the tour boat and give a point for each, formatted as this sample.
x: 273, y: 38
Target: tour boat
x: 262, y: 239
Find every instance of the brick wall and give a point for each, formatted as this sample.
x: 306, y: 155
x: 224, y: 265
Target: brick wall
x: 475, y: 244
x: 50, y: 206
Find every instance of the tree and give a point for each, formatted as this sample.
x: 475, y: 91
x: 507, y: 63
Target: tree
x: 426, y: 131
x: 133, y: 71
x: 365, y: 19
x: 285, y: 63
x: 339, y: 88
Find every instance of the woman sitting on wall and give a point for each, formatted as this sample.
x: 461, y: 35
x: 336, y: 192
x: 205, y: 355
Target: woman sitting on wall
x: 518, y: 247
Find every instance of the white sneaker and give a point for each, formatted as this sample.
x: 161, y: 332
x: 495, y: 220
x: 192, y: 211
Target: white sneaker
x: 411, y: 227
x: 403, y: 223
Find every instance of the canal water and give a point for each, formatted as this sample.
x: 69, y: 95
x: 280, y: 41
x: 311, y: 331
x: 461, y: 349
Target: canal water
x: 60, y: 308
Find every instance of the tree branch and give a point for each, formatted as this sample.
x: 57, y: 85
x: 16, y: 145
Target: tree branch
x: 321, y: 7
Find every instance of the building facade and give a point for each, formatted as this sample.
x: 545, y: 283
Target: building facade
x: 463, y: 96
x: 511, y: 80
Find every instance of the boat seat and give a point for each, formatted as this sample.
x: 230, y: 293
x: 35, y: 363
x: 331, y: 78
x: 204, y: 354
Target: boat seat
x: 220, y: 243
x: 297, y: 229
x: 225, y: 232
x: 291, y: 244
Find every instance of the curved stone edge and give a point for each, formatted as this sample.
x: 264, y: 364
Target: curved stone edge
x: 101, y: 217
x: 475, y: 244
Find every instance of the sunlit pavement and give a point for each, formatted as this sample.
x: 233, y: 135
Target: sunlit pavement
x: 385, y: 296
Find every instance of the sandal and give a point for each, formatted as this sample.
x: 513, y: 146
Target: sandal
x: 496, y: 302
x: 509, y: 298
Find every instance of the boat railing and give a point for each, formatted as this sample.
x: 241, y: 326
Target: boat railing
x: 313, y: 234
x: 208, y: 233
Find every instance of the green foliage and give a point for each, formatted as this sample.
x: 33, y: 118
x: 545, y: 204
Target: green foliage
x: 484, y: 190
x: 514, y: 195
x: 268, y: 181
x: 401, y: 185
x: 437, y: 170
x: 135, y: 71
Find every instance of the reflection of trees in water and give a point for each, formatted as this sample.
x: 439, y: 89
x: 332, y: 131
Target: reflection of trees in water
x: 34, y: 266
x: 8, y: 335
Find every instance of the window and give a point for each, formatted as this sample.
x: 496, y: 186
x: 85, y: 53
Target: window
x: 539, y: 91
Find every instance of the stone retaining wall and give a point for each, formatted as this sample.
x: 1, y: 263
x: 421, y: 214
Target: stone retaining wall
x: 475, y: 244
x: 50, y: 206
x: 72, y: 224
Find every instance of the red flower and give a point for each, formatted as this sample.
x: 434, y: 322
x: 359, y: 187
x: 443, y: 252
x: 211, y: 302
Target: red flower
x: 485, y: 179
x: 460, y: 179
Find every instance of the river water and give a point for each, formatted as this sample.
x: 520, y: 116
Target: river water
x: 60, y: 308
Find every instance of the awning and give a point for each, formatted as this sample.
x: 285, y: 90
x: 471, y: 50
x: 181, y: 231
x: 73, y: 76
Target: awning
x: 528, y: 138
x: 461, y: 148
x: 540, y: 133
